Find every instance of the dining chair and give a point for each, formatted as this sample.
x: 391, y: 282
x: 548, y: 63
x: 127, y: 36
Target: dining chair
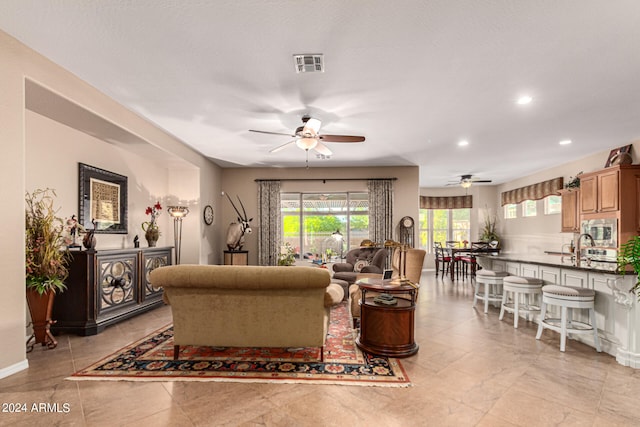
x: 442, y: 258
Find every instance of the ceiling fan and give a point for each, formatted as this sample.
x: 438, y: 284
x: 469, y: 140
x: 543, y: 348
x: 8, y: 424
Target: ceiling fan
x: 308, y: 137
x: 466, y: 181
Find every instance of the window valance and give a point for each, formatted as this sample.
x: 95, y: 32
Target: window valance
x: 446, y: 202
x: 536, y: 191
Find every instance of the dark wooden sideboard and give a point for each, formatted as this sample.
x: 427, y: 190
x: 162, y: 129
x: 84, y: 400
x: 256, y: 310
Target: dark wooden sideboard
x: 106, y: 287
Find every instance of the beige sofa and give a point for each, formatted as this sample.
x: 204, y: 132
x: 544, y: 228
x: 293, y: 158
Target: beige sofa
x: 247, y: 306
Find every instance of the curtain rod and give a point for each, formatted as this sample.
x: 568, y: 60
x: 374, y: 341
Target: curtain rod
x: 324, y: 179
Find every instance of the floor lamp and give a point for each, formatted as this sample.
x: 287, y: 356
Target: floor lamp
x: 337, y: 235
x: 177, y: 213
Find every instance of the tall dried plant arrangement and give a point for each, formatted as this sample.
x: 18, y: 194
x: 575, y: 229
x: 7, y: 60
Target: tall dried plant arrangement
x: 46, y: 261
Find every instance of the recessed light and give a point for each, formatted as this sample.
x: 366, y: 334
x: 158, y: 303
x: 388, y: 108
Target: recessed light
x: 463, y: 143
x: 565, y: 142
x: 524, y: 100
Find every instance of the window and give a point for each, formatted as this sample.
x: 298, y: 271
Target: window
x: 510, y: 211
x: 552, y: 205
x: 529, y: 208
x: 442, y: 225
x: 309, y: 220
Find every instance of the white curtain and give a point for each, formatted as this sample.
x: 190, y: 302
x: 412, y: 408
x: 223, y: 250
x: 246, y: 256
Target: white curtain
x: 270, y: 222
x: 380, y: 210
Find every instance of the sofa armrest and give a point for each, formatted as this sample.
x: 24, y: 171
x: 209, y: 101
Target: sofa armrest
x: 342, y: 266
x: 333, y: 295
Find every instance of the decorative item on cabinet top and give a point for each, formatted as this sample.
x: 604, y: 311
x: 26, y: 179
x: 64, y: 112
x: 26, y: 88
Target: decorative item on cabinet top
x: 619, y: 156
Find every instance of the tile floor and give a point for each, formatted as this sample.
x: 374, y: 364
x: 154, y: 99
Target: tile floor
x: 471, y: 370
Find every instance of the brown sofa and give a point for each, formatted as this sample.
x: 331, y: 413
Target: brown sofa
x: 360, y: 260
x: 247, y: 306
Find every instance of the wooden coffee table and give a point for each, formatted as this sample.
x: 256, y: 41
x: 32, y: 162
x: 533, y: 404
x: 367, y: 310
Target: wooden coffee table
x: 387, y: 330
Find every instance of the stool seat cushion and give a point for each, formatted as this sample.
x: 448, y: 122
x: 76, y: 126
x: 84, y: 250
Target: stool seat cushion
x: 491, y: 273
x: 521, y: 280
x: 568, y: 291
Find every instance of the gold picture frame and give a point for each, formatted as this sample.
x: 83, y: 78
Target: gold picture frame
x: 103, y: 199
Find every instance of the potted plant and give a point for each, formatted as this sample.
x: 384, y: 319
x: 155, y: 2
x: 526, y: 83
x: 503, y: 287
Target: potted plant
x: 629, y: 256
x: 488, y: 232
x: 46, y: 262
x: 286, y: 256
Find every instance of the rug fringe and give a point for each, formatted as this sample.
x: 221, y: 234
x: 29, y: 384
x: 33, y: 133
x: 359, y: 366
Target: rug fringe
x: 245, y: 380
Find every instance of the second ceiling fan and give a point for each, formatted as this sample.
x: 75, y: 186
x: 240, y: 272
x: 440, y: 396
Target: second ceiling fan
x: 466, y: 181
x: 308, y: 137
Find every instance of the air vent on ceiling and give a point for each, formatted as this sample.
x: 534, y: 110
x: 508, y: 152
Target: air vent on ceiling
x: 309, y: 63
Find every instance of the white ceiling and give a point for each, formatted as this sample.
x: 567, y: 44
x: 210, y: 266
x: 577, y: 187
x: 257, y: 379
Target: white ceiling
x: 414, y: 77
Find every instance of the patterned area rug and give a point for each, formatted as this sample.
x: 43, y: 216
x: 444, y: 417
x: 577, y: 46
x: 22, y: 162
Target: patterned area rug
x: 151, y: 359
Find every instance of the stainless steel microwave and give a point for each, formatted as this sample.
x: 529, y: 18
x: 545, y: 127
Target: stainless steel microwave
x: 603, y: 231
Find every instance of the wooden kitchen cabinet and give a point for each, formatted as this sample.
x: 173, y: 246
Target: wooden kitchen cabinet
x: 570, y: 210
x: 602, y: 191
x: 613, y: 192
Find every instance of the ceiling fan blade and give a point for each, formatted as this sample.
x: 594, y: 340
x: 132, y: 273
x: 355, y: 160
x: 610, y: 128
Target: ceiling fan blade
x: 341, y: 138
x: 281, y: 147
x: 272, y: 133
x: 322, y: 149
x: 480, y: 180
x: 313, y: 124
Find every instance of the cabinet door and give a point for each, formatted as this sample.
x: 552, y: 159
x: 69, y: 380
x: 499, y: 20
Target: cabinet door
x: 588, y: 194
x: 570, y: 221
x: 117, y: 282
x: 608, y: 184
x: 152, y: 259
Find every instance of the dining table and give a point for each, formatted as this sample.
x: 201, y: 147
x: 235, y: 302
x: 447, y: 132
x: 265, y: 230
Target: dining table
x: 475, y: 248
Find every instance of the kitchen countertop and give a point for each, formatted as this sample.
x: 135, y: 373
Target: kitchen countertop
x: 555, y: 260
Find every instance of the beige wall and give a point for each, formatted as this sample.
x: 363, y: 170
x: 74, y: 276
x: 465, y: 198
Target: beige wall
x: 39, y: 152
x: 241, y: 182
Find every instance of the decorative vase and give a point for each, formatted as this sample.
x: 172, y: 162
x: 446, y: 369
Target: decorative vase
x: 89, y: 240
x: 40, y: 308
x: 152, y: 235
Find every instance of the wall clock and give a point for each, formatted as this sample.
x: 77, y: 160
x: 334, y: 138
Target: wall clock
x: 208, y: 214
x: 407, y: 231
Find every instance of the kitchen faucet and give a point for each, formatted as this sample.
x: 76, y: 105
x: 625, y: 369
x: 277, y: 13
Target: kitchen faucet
x: 579, y: 246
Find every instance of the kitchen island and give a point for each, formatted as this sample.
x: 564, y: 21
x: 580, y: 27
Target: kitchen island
x: 617, y: 311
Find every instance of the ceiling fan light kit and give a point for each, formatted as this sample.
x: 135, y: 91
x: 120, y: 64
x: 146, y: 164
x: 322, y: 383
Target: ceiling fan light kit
x: 308, y: 137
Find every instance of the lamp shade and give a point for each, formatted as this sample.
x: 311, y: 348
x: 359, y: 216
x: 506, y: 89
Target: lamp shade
x: 307, y: 143
x: 178, y: 211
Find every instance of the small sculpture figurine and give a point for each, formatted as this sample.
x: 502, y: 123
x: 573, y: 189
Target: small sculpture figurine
x: 136, y: 242
x: 237, y: 230
x: 89, y: 240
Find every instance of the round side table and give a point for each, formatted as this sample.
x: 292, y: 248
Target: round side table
x: 387, y: 330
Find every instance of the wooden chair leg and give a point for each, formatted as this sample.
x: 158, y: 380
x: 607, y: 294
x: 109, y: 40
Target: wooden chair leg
x: 176, y: 352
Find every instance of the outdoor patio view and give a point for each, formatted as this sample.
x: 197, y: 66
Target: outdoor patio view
x: 323, y: 227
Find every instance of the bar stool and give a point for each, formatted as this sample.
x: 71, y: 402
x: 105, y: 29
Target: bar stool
x: 568, y: 298
x: 519, y: 286
x: 492, y: 284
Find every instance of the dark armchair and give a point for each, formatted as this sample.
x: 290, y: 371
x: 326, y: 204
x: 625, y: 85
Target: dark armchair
x: 360, y: 260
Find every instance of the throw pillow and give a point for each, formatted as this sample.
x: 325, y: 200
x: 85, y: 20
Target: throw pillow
x: 359, y: 265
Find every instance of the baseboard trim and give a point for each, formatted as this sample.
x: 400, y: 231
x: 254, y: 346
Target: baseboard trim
x: 627, y: 358
x: 13, y: 369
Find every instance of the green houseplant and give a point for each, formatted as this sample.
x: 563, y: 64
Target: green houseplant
x: 46, y: 261
x: 286, y: 257
x: 488, y: 232
x: 629, y: 256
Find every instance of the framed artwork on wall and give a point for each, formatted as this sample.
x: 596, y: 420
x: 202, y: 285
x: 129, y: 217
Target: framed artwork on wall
x: 103, y: 199
x: 619, y: 156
